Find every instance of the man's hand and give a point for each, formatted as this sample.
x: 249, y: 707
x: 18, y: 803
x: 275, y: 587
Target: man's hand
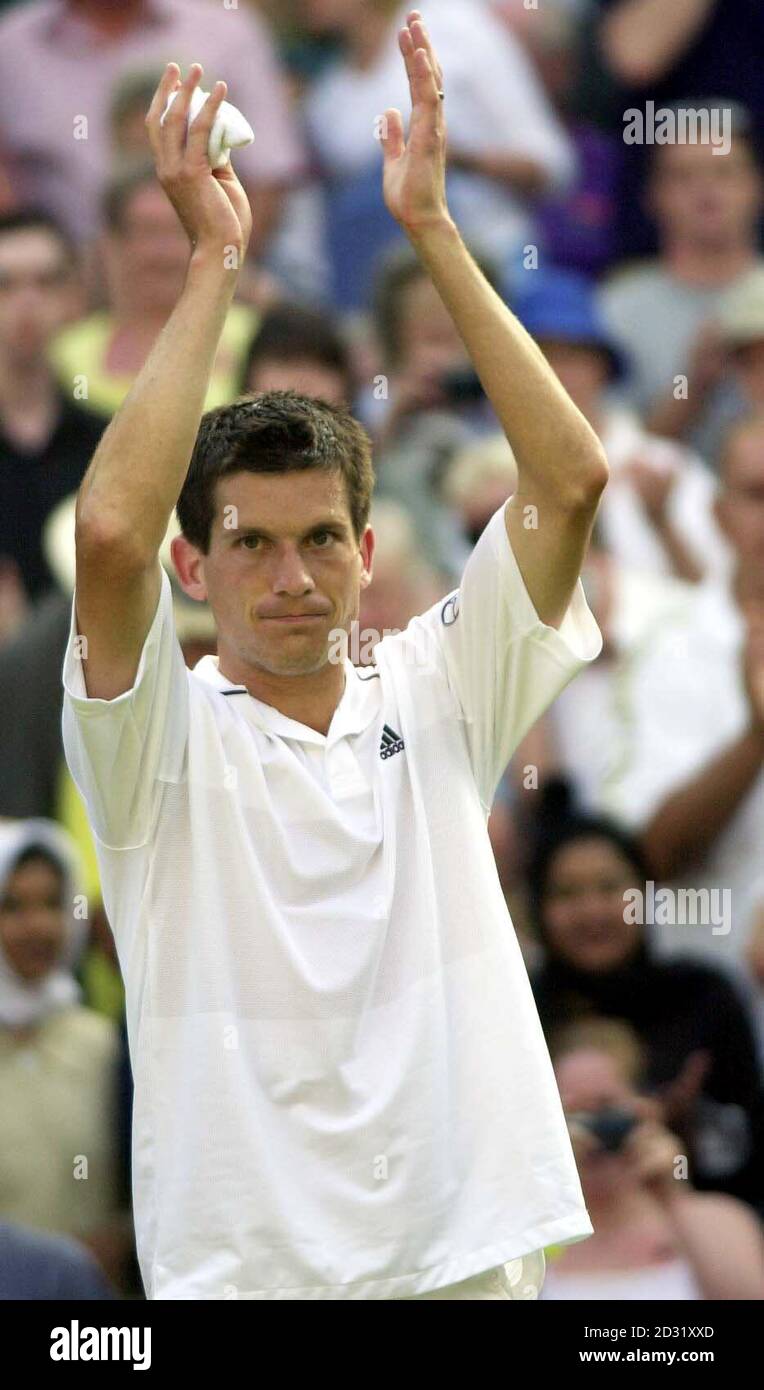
x: 561, y: 465
x: 414, y: 178
x: 677, y: 1097
x: 211, y: 203
x: 650, y: 1154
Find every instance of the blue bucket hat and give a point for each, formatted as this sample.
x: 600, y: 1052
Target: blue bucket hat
x: 562, y: 304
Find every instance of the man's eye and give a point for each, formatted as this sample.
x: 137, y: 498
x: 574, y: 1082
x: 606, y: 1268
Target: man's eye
x: 249, y: 542
x: 319, y: 536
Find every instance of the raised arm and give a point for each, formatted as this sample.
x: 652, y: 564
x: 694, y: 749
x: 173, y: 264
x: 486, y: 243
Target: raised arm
x: 137, y: 472
x: 561, y: 464
x: 685, y: 825
x: 642, y: 39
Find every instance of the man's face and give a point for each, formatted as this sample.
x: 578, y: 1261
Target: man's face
x: 147, y: 259
x: 284, y: 570
x: 740, y: 508
x: 704, y: 198
x: 37, y: 292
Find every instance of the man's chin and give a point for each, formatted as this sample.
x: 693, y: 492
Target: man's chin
x: 307, y: 662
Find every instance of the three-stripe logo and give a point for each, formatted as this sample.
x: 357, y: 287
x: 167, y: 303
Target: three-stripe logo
x: 391, y: 742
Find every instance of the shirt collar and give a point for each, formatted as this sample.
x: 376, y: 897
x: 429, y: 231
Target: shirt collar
x: 357, y: 706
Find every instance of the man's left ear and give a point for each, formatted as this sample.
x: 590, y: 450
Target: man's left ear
x: 367, y: 555
x: 189, y: 567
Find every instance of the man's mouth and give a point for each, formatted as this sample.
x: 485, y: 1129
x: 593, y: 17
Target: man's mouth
x: 295, y: 618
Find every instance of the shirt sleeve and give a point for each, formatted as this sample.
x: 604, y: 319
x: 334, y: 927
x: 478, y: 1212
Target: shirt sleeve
x: 121, y: 751
x: 503, y: 664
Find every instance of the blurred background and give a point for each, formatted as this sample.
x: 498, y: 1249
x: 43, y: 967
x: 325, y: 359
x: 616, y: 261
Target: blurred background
x: 638, y: 268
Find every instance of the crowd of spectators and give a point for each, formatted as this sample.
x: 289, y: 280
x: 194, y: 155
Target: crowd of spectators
x: 638, y: 269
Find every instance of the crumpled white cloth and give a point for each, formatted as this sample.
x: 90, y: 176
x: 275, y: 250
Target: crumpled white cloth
x: 229, y: 129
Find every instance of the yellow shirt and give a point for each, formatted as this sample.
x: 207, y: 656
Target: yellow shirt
x: 78, y: 352
x: 58, y: 1155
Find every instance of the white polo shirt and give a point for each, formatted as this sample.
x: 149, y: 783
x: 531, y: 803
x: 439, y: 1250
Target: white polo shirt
x: 342, y: 1090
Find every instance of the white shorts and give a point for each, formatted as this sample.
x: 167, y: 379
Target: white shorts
x: 520, y: 1278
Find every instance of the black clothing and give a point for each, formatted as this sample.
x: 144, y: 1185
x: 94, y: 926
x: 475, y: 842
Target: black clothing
x: 32, y: 482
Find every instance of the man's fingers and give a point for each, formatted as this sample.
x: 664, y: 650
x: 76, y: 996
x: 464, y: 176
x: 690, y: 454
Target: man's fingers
x: 183, y: 99
x: 425, y: 80
x: 427, y: 110
x: 199, y: 130
x: 423, y: 86
x: 174, y: 125
x: 422, y: 40
x: 168, y: 82
x: 406, y: 45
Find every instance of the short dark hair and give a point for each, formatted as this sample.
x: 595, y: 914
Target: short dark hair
x: 274, y: 432
x: 35, y: 218
x: 129, y: 175
x: 292, y: 333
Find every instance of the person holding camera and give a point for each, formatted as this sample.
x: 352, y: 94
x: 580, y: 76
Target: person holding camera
x: 655, y: 1237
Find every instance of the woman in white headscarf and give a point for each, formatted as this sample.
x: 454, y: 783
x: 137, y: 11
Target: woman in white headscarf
x: 58, y: 1059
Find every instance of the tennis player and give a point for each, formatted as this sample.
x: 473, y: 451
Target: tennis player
x: 342, y: 1090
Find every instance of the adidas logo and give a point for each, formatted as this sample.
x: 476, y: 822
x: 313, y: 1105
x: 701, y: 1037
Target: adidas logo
x: 391, y: 742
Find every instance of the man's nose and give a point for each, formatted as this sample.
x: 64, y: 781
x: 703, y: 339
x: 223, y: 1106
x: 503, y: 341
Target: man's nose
x: 290, y: 573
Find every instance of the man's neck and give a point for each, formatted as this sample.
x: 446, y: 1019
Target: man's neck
x: 708, y: 266
x: 310, y: 699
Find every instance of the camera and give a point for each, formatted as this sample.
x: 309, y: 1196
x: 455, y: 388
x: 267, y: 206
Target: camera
x: 611, y: 1125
